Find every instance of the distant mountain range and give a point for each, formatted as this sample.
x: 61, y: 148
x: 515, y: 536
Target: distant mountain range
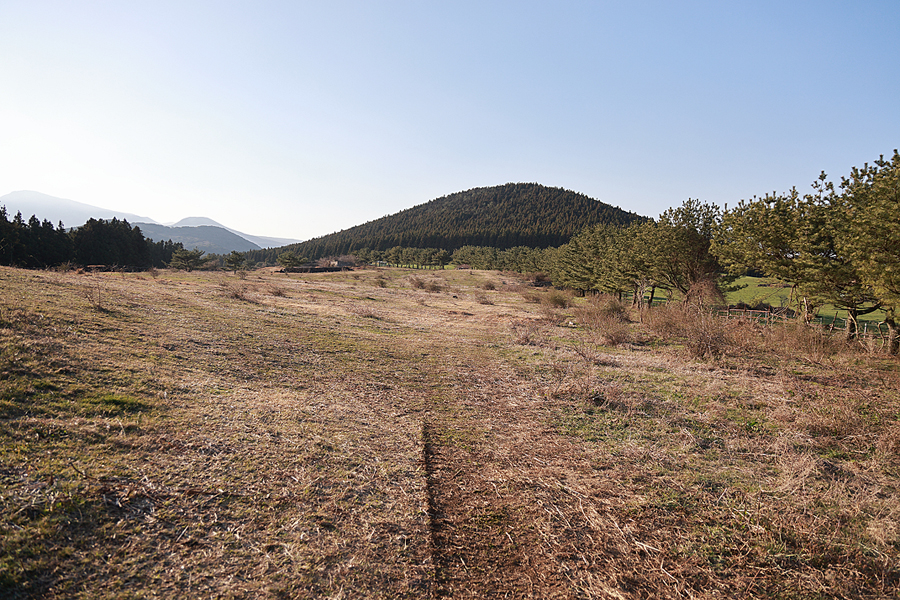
x: 503, y: 216
x: 193, y: 232
x: 70, y: 212
x: 260, y: 240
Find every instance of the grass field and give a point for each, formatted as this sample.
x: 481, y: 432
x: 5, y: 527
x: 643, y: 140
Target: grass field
x: 770, y: 291
x: 397, y: 434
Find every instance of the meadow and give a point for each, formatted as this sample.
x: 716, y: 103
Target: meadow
x: 388, y: 433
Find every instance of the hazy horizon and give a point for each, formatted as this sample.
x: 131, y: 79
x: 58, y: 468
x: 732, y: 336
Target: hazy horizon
x: 295, y: 120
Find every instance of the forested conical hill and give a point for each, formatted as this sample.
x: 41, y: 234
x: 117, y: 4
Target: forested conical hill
x: 504, y: 216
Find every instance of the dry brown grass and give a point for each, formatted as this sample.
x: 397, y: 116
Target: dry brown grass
x: 606, y: 317
x: 321, y: 443
x: 703, y: 334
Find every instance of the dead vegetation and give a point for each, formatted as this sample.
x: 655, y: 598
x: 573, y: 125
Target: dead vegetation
x: 297, y: 437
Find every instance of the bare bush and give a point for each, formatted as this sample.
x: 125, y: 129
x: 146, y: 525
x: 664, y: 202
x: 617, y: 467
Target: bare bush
x: 237, y: 291
x: 799, y: 339
x: 433, y: 286
x: 557, y: 299
x: 665, y: 321
x: 417, y: 283
x: 550, y: 314
x: 589, y: 352
x: 604, y: 315
x: 275, y: 290
x: 704, y: 293
x: 704, y: 334
x: 365, y: 312
x: 489, y: 285
x: 381, y: 282
x: 612, y: 331
x: 529, y: 333
x: 482, y: 298
x: 93, y: 293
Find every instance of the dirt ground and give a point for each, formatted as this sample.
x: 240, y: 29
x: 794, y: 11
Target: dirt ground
x: 408, y: 434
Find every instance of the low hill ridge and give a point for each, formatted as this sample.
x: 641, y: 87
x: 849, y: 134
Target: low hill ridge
x: 503, y: 216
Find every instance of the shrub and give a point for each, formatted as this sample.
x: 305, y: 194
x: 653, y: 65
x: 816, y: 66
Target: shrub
x: 551, y: 315
x: 557, y: 299
x: 433, y: 286
x: 489, y: 285
x: 605, y: 316
x: 793, y: 339
x: 416, y: 283
x: 529, y: 333
x: 665, y: 321
x: 600, y: 309
x: 275, y: 290
x: 237, y: 291
x: 365, y: 312
x: 612, y: 331
x: 703, y: 333
x: 481, y: 298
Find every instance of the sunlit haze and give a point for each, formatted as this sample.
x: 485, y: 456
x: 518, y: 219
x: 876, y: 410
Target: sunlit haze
x: 297, y: 119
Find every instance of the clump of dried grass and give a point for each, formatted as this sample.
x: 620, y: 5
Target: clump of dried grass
x: 791, y: 340
x: 588, y: 351
x: 365, y: 312
x: 598, y: 307
x: 93, y: 293
x: 422, y: 284
x: 275, y: 290
x: 703, y: 334
x: 557, y: 299
x: 529, y: 333
x: 888, y: 442
x: 237, y: 291
x: 551, y: 315
x: 605, y: 316
x: 482, y: 298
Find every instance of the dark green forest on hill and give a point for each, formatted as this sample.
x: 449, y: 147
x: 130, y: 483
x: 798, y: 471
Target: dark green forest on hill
x: 505, y: 216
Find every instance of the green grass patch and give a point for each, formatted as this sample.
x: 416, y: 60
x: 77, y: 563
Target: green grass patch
x: 766, y: 290
x: 591, y: 424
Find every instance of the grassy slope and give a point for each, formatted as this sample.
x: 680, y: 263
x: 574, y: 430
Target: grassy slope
x: 197, y: 435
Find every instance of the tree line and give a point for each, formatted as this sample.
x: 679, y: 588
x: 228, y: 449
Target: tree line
x: 36, y: 244
x: 837, y: 245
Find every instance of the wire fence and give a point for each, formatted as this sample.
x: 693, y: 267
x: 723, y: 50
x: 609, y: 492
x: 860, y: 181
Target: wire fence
x: 866, y: 329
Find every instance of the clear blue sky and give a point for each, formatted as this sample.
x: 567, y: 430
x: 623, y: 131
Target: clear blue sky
x: 297, y: 119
